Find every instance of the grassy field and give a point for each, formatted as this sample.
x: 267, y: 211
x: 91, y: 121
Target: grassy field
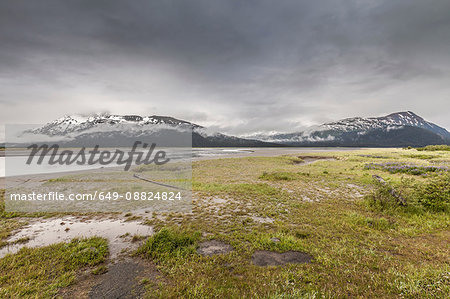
x: 362, y: 241
x: 41, y: 272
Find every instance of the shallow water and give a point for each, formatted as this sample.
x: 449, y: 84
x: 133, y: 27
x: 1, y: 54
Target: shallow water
x: 49, y: 231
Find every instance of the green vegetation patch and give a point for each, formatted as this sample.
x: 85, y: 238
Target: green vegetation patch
x: 279, y: 176
x: 435, y: 194
x: 442, y: 147
x: 41, y: 272
x: 430, y: 195
x: 170, y: 243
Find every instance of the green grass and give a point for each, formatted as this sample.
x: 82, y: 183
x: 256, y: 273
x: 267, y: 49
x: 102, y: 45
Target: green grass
x: 360, y: 247
x: 7, y: 226
x: 41, y: 272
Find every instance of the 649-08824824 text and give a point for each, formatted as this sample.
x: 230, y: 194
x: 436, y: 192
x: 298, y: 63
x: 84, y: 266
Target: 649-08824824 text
x: 102, y: 196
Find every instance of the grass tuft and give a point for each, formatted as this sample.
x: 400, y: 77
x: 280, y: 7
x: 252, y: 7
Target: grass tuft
x: 278, y: 176
x: 170, y: 243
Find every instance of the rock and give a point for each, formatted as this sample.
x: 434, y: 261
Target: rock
x: 270, y: 258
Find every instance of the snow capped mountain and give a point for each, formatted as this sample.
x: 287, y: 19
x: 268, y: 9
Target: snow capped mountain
x: 389, y: 122
x: 123, y: 130
x: 74, y: 124
x: 396, y: 129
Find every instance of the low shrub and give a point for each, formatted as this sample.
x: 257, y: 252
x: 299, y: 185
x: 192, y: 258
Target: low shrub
x: 381, y: 199
x: 432, y: 195
x: 435, y: 194
x: 442, y: 147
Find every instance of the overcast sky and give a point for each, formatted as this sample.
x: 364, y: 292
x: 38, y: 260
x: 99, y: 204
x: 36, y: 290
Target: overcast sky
x: 238, y: 66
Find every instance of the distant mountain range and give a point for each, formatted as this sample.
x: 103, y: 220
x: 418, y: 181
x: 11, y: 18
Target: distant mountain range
x: 123, y: 130
x: 394, y: 130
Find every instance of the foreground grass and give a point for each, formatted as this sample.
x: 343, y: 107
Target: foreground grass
x: 41, y: 272
x: 321, y: 209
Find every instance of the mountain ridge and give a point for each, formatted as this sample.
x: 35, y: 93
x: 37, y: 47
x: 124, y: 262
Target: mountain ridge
x: 396, y: 129
x: 371, y: 131
x: 122, y: 130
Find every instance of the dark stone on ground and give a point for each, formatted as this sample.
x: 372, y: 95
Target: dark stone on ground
x: 270, y: 258
x: 120, y: 282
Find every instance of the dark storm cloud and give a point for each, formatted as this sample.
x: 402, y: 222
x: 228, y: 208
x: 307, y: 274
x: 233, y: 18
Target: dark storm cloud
x: 241, y: 66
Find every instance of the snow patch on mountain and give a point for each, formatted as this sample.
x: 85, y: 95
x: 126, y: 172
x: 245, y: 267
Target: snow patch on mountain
x: 389, y: 122
x: 134, y: 125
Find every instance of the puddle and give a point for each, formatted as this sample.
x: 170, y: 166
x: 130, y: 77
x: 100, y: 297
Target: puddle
x: 270, y: 258
x: 213, y: 247
x: 50, y: 231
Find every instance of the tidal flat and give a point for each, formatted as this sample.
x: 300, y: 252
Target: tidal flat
x: 296, y: 225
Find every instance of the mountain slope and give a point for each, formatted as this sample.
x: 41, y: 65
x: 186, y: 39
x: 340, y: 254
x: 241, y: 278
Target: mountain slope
x: 396, y: 129
x: 123, y: 130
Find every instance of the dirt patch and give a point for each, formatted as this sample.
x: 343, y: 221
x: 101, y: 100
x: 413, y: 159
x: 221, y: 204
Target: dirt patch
x: 213, y: 247
x: 124, y: 280
x: 127, y: 278
x: 270, y: 258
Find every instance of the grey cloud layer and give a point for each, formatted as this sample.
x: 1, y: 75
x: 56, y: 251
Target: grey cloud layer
x: 241, y: 66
